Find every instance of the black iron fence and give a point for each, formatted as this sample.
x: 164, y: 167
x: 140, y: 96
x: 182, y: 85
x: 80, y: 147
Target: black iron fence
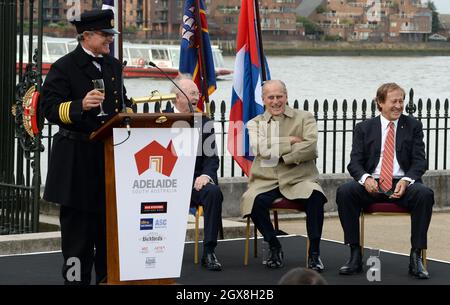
x: 336, y: 121
x: 19, y: 152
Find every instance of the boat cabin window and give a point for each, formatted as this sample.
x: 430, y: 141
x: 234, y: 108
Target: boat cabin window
x: 139, y: 56
x: 160, y: 54
x: 56, y: 50
x: 71, y: 46
x: 175, y: 53
x: 161, y: 58
x: 218, y: 59
x: 25, y: 49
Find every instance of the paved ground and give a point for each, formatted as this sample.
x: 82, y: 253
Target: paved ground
x: 387, y: 232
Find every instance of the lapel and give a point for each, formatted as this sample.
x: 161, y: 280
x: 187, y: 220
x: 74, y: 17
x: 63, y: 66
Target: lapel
x: 84, y: 62
x: 377, y: 127
x: 107, y: 67
x: 400, y: 134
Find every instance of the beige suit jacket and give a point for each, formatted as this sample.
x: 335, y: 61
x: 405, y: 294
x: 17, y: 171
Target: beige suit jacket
x: 277, y: 163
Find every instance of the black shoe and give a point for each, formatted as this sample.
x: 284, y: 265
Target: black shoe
x: 416, y: 267
x: 315, y: 263
x: 209, y: 260
x: 275, y: 258
x: 354, y: 264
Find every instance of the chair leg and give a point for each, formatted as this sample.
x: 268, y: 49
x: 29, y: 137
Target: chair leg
x: 424, y: 257
x: 247, y: 237
x: 307, y: 250
x: 196, y: 234
x: 255, y: 241
x: 361, y: 233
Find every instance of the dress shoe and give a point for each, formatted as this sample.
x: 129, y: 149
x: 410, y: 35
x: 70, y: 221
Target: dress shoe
x: 354, y: 264
x: 209, y: 260
x: 315, y: 263
x: 416, y: 267
x: 275, y: 258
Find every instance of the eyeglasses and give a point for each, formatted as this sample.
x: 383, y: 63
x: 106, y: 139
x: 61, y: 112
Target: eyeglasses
x: 195, y: 93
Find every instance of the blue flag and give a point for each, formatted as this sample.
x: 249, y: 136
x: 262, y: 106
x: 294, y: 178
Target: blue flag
x: 190, y: 54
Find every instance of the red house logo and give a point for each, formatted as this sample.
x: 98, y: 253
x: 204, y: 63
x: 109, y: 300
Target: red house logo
x: 156, y: 157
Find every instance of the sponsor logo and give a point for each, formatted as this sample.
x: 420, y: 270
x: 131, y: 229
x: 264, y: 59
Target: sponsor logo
x: 160, y: 223
x: 146, y: 224
x: 157, y: 157
x: 160, y: 249
x: 152, y: 237
x: 150, y: 262
x: 153, y: 207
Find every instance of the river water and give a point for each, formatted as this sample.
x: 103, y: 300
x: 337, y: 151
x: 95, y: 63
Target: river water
x: 321, y: 78
x: 329, y: 78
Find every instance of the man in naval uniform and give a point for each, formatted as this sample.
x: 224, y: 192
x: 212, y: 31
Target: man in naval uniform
x: 76, y: 179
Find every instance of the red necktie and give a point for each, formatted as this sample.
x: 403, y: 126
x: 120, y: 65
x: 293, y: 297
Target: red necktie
x: 387, y: 164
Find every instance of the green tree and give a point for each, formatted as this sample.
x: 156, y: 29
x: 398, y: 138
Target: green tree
x: 310, y: 26
x: 132, y: 29
x: 435, y: 17
x: 321, y: 9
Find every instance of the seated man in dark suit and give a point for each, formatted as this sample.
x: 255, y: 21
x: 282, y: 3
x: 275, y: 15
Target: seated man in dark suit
x: 206, y: 190
x: 387, y: 164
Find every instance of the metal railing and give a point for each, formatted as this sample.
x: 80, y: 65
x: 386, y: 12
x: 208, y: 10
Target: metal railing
x: 335, y: 121
x: 19, y: 153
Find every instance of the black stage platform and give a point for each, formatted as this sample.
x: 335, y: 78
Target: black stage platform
x: 44, y: 269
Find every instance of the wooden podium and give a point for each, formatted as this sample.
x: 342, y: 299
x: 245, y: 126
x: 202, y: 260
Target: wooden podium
x: 105, y: 133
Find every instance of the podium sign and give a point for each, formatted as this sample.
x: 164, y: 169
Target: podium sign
x: 153, y: 181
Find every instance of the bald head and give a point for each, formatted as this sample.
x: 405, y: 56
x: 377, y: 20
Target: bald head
x: 274, y: 95
x: 190, y: 89
x: 274, y: 83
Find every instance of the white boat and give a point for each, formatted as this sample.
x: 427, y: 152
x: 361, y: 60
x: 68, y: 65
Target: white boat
x: 137, y: 56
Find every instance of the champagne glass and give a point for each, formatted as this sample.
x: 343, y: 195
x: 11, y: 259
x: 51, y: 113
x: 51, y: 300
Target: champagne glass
x: 100, y: 86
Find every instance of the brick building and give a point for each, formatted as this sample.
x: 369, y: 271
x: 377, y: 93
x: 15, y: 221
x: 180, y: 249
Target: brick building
x: 165, y: 18
x: 55, y: 11
x: 278, y: 18
x: 380, y: 20
x: 161, y: 19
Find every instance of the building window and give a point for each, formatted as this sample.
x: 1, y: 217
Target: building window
x: 277, y: 23
x: 229, y: 20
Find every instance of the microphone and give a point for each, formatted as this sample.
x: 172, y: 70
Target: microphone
x: 191, y: 109
x: 126, y: 120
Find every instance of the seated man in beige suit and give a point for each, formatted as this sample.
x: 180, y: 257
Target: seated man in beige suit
x: 284, y: 143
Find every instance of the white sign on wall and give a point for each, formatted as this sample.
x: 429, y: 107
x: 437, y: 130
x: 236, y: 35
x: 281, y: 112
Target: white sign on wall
x: 154, y: 171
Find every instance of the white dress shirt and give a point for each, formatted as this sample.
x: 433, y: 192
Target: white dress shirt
x: 397, y: 171
x: 96, y: 64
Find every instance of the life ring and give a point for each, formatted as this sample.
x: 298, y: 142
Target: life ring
x: 30, y: 111
x: 141, y: 62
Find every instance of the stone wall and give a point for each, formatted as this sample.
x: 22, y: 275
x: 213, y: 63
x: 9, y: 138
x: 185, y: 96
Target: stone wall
x: 233, y: 188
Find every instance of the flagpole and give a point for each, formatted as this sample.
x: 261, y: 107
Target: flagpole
x: 202, y: 54
x: 120, y: 29
x: 260, y: 44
